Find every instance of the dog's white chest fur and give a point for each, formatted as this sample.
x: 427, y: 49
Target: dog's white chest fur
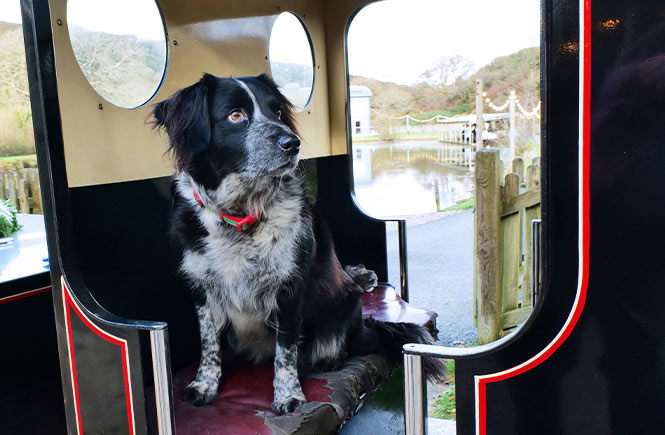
x: 243, y: 272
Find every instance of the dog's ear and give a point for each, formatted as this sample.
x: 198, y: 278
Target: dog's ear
x: 186, y: 119
x: 288, y: 109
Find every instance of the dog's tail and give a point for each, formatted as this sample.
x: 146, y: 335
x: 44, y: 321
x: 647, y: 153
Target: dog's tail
x: 387, y: 339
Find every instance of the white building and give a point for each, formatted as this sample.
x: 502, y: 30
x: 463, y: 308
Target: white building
x: 360, y: 111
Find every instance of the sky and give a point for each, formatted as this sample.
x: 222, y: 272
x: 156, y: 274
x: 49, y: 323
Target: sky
x: 392, y: 40
x: 396, y: 40
x: 120, y: 17
x: 10, y: 11
x: 289, y: 42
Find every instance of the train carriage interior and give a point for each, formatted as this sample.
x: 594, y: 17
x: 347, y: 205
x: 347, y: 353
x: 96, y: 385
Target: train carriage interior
x: 101, y: 332
x: 122, y: 309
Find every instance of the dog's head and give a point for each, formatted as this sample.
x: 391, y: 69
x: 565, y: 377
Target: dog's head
x: 219, y: 126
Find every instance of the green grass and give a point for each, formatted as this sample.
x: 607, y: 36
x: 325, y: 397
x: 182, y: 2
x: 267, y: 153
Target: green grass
x: 455, y: 111
x: 18, y: 162
x: 7, y: 158
x: 445, y: 405
x: 461, y: 205
x: 450, y: 369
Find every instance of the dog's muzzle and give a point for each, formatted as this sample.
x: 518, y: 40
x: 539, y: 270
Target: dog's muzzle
x: 290, y: 144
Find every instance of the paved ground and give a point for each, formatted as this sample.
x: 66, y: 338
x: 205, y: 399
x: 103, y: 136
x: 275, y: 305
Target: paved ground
x: 383, y: 414
x: 441, y: 273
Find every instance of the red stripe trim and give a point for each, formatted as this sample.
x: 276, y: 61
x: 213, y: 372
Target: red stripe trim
x: 583, y: 281
x: 24, y: 295
x: 69, y: 302
x: 72, y: 359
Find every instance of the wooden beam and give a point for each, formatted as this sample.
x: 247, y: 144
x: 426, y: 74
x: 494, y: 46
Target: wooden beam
x: 514, y: 317
x: 517, y: 203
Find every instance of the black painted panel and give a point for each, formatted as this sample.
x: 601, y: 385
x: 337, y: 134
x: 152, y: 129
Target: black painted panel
x: 609, y: 376
x: 101, y: 386
x: 358, y: 239
x: 30, y: 390
x: 127, y: 261
x: 32, y: 282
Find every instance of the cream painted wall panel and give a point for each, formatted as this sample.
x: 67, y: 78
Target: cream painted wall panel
x: 225, y: 38
x: 338, y: 14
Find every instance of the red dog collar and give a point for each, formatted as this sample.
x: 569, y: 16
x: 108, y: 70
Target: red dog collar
x: 241, y: 224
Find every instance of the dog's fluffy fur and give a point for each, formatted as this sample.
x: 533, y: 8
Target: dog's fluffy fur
x: 276, y: 291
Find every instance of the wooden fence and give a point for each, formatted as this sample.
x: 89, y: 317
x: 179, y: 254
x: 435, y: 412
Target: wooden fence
x: 21, y: 188
x: 502, y: 243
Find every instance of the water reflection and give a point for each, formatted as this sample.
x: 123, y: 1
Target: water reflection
x: 407, y: 177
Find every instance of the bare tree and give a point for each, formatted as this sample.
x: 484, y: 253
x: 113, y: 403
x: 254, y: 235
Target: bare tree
x: 445, y: 70
x: 116, y: 66
x: 14, y: 89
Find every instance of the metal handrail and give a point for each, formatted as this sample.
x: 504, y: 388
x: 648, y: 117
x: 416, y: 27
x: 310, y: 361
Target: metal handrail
x: 536, y: 226
x: 403, y: 260
x: 415, y: 400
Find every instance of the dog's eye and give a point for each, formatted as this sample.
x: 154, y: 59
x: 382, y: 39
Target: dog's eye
x: 236, y: 116
x: 278, y: 114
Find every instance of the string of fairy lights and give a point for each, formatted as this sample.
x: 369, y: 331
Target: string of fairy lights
x: 411, y: 118
x: 535, y: 113
x: 528, y: 114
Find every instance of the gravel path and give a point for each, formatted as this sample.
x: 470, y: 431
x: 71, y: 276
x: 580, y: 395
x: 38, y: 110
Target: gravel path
x: 440, y: 253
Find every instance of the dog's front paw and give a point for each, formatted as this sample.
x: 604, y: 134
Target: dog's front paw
x: 362, y: 276
x: 199, y: 394
x: 288, y: 402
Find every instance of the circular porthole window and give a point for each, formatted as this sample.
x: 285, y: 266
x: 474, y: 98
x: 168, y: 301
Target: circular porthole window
x: 292, y: 59
x: 120, y: 46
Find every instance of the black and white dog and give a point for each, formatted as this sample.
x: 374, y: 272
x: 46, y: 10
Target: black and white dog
x: 262, y: 267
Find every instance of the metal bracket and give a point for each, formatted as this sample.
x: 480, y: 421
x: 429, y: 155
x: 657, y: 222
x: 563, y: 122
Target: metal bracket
x: 536, y: 226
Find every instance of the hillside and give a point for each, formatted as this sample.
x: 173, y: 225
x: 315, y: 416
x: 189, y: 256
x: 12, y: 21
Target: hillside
x: 4, y: 26
x: 519, y: 71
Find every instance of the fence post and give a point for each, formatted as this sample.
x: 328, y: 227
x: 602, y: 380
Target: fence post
x: 3, y: 190
x: 518, y: 168
x: 12, y: 181
x: 511, y: 246
x: 486, y: 251
x: 532, y: 177
x: 480, y: 122
x: 22, y: 195
x: 531, y: 213
x: 35, y: 192
x: 511, y: 123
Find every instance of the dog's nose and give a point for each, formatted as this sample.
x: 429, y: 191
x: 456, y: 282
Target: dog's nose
x: 290, y: 144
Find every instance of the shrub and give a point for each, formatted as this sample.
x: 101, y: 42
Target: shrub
x: 8, y: 222
x: 16, y: 134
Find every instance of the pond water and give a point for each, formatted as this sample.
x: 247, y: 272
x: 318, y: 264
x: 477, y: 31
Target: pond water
x: 402, y: 178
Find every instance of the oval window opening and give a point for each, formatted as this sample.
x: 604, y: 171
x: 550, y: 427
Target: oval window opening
x: 292, y: 59
x: 445, y: 130
x: 120, y: 47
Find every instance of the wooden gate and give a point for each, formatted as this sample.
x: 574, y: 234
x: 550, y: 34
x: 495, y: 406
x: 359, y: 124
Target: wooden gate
x: 502, y: 243
x: 21, y: 188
